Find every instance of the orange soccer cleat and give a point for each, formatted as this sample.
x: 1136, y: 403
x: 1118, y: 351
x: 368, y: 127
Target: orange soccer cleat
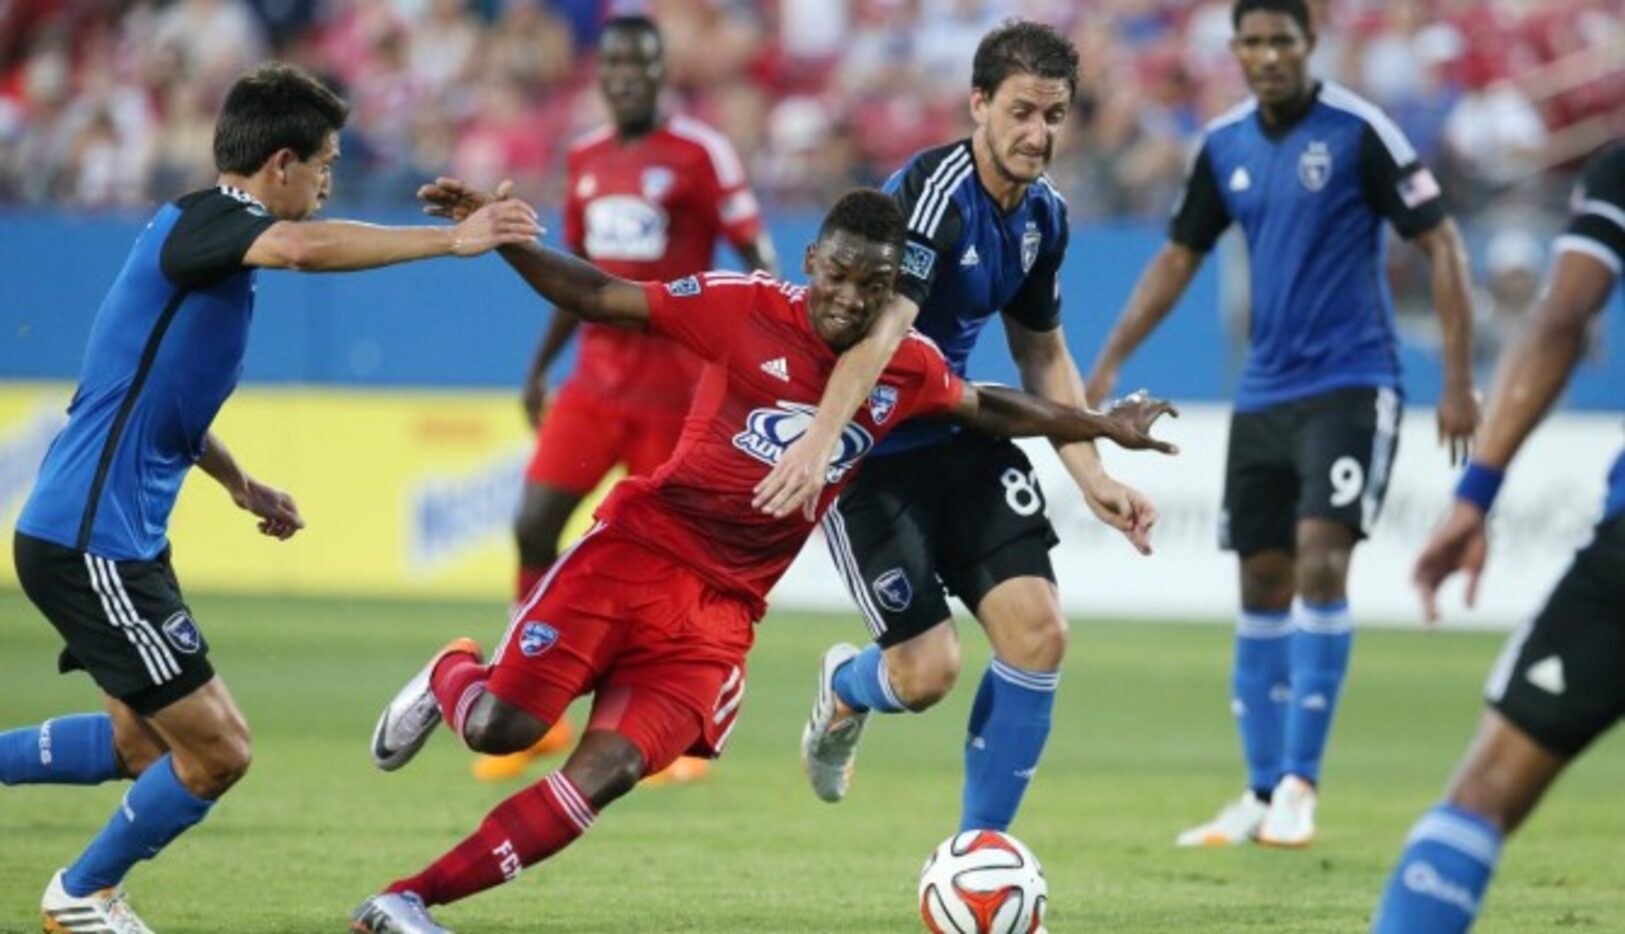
x: 684, y: 770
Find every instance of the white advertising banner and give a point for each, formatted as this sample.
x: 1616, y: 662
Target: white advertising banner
x: 1545, y: 510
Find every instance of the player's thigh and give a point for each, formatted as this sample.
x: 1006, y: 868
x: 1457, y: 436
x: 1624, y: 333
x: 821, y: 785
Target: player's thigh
x: 1260, y: 483
x: 880, y: 535
x: 580, y: 440
x: 1345, y: 449
x: 205, y: 726
x: 544, y: 511
x: 1558, y: 677
x: 124, y: 622
x: 993, y: 525
x: 651, y: 442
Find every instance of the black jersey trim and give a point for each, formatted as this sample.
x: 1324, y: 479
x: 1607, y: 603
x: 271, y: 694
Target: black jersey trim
x: 116, y: 433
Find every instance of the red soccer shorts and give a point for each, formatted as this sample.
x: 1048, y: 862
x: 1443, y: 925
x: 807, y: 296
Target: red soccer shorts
x: 583, y: 436
x: 662, y: 649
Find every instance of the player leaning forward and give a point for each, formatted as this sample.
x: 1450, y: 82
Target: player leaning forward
x: 1309, y: 172
x: 654, y: 609
x: 91, y: 547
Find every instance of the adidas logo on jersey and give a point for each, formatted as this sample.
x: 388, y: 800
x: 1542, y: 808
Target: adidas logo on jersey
x: 1547, y: 674
x: 971, y: 258
x: 778, y: 368
x: 1240, y: 180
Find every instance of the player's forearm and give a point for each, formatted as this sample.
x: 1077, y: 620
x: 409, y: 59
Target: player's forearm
x: 1531, y: 376
x: 339, y: 246
x: 1154, y: 295
x: 1003, y: 411
x: 559, y: 328
x: 1049, y: 372
x: 859, y: 368
x: 574, y: 285
x: 217, y: 462
x: 1452, y: 297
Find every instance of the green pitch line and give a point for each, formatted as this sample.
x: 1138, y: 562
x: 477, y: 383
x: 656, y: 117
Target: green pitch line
x: 1143, y: 746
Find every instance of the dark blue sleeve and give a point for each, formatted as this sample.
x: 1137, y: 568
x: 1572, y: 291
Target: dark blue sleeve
x: 1200, y: 215
x: 924, y: 190
x: 1598, y: 223
x: 210, y: 238
x: 1408, y: 195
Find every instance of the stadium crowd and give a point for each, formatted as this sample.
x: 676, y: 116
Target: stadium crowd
x: 109, y: 103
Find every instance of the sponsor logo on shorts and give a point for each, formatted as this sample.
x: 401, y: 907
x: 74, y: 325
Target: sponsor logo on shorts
x: 182, y: 633
x: 537, y: 638
x: 882, y: 402
x: 918, y: 260
x: 769, y: 431
x: 893, y: 590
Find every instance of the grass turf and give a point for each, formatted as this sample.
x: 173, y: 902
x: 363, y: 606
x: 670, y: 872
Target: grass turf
x: 1143, y: 746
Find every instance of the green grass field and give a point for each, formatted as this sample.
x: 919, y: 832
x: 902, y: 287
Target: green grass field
x: 1143, y: 746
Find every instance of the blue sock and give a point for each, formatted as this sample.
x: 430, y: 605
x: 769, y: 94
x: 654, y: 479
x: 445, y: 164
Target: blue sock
x: 154, y: 811
x: 1008, y: 728
x: 1440, y: 879
x: 72, y: 750
x: 862, y: 683
x: 1320, y: 659
x: 1260, y: 686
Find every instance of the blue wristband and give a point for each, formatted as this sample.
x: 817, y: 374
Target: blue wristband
x: 1479, y: 484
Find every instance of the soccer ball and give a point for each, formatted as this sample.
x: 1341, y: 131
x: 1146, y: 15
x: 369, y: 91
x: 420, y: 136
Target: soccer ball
x: 983, y: 882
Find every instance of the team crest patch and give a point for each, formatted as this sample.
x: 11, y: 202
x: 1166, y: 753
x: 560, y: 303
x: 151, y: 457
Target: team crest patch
x: 893, y: 590
x: 182, y: 633
x: 682, y: 288
x: 1030, y: 241
x: 1315, y: 166
x: 882, y: 402
x: 918, y: 260
x: 769, y: 431
x: 657, y: 182
x: 537, y: 638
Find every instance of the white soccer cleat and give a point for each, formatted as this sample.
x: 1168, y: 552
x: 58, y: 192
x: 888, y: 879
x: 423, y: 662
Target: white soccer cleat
x: 413, y: 713
x: 829, y: 742
x: 1237, y: 824
x: 103, y: 912
x: 394, y: 913
x: 1291, y: 818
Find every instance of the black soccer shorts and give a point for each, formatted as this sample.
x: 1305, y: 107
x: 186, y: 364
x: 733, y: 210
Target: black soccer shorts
x: 959, y: 517
x: 1561, y: 677
x: 1324, y: 457
x: 124, y: 622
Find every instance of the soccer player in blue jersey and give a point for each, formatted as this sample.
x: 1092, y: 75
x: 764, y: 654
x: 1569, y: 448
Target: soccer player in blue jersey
x: 1558, y: 685
x: 91, y: 546
x: 1310, y: 172
x: 938, y: 511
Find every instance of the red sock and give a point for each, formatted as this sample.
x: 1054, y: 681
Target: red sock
x: 521, y: 831
x: 457, y: 682
x: 528, y: 579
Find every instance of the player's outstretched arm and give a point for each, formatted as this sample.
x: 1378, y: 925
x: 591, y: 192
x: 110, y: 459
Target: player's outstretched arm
x: 338, y: 246
x: 278, y: 514
x: 798, y: 478
x: 1532, y: 374
x: 1127, y: 422
x: 1160, y: 286
x: 1452, y: 299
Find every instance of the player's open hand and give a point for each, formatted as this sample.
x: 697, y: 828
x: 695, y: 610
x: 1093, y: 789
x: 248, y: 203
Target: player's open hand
x: 797, y: 480
x: 453, y: 200
x: 1125, y: 509
x: 1134, y: 415
x: 499, y: 223
x: 278, y: 514
x: 1458, y: 419
x: 1460, y: 543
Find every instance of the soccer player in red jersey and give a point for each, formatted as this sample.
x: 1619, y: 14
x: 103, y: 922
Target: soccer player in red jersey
x: 654, y: 610
x: 647, y: 198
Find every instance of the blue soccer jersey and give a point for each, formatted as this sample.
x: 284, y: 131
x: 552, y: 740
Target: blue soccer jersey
x: 165, y: 351
x: 1310, y: 197
x: 967, y: 258
x: 1597, y: 229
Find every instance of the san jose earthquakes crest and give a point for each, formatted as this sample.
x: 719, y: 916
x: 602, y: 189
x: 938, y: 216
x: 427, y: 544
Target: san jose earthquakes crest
x: 182, y: 633
x: 1030, y: 241
x: 1315, y: 166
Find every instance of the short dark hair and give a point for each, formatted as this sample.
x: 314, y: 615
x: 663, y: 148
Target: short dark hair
x: 1021, y: 46
x: 1297, y: 9
x: 632, y: 22
x: 867, y: 213
x: 275, y: 106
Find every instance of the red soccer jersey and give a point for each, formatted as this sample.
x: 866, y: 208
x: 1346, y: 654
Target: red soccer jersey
x: 651, y: 209
x: 765, y: 370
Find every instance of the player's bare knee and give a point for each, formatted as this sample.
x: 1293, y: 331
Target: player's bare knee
x: 1322, y: 575
x: 921, y: 676
x: 1268, y: 580
x: 497, y: 729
